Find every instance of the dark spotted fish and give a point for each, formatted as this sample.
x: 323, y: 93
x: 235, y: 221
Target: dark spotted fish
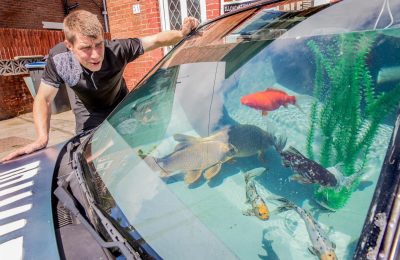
x: 307, y: 171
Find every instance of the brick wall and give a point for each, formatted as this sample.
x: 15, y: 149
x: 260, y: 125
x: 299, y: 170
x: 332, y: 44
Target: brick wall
x: 30, y: 14
x: 15, y: 98
x: 213, y: 8
x: 124, y: 24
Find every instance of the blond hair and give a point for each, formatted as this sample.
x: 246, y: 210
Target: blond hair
x: 83, y: 22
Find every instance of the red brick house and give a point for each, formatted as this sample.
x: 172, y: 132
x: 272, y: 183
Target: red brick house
x: 134, y: 18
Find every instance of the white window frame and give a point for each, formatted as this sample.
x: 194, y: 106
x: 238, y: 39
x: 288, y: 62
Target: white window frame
x: 164, y: 14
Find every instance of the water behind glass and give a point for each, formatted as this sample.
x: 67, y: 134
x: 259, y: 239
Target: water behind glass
x: 207, y: 218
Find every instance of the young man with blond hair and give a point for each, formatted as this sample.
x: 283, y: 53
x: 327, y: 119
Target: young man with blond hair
x: 93, y: 68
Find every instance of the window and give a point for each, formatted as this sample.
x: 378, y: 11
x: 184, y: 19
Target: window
x: 174, y: 11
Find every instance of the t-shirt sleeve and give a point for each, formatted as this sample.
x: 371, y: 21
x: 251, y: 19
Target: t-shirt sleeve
x: 127, y: 49
x: 50, y: 75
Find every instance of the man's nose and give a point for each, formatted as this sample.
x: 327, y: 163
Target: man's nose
x: 95, y: 53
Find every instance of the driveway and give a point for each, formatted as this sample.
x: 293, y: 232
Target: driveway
x: 20, y: 131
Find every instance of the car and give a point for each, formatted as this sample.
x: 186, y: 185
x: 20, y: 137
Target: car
x: 268, y: 132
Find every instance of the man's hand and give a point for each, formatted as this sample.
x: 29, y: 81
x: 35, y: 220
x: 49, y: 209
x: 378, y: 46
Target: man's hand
x: 30, y: 148
x: 41, y: 117
x: 189, y: 24
x: 168, y: 38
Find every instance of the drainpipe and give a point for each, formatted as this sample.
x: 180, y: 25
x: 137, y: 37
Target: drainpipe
x: 104, y: 12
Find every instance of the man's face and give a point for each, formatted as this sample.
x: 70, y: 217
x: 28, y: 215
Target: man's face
x: 89, y: 51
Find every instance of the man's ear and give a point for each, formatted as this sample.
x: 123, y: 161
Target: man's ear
x: 68, y: 44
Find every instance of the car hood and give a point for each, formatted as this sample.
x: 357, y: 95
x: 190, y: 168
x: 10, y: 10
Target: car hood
x: 26, y: 220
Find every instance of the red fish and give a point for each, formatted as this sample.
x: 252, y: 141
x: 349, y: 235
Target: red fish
x: 268, y: 100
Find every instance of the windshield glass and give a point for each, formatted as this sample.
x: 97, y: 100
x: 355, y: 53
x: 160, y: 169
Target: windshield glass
x: 267, y: 126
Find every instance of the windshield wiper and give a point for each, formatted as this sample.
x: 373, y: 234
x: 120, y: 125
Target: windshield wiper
x: 69, y: 202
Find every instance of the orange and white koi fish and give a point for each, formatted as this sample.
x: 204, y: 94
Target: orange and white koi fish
x: 258, y: 206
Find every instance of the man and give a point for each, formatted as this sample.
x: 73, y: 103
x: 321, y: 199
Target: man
x: 93, y: 68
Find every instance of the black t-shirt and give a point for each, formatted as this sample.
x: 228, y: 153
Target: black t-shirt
x: 96, y: 93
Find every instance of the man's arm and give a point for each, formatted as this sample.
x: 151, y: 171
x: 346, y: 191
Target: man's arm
x: 41, y: 116
x: 169, y: 38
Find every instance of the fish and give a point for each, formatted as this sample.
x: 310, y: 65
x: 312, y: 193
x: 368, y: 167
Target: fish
x: 192, y: 159
x: 392, y: 32
x: 248, y: 140
x: 268, y: 100
x: 321, y: 245
x: 258, y: 206
x: 388, y: 74
x: 310, y: 172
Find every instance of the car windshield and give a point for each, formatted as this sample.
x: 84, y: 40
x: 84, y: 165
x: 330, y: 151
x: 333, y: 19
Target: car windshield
x: 262, y: 135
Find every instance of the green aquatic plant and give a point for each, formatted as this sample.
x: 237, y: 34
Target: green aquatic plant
x: 347, y: 110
